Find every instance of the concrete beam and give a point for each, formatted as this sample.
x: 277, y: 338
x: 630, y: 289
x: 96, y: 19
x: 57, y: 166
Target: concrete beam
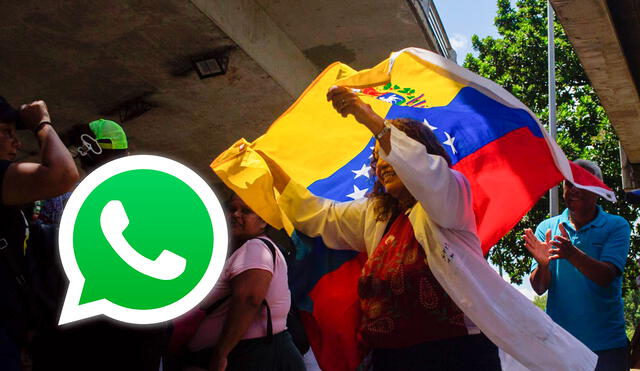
x: 593, y: 34
x: 249, y: 26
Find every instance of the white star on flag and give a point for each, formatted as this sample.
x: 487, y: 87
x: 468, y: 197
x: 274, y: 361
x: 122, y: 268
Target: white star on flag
x: 364, y: 171
x: 357, y: 193
x: 449, y: 142
x: 424, y: 121
x: 371, y: 155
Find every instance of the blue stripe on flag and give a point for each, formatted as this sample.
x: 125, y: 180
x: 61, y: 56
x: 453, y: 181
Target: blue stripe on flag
x: 350, y: 181
x: 471, y: 121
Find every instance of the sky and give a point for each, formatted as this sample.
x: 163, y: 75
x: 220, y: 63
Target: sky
x: 464, y: 18
x: 476, y: 18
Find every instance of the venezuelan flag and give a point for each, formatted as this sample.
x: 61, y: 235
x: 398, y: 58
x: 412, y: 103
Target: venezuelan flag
x: 494, y: 139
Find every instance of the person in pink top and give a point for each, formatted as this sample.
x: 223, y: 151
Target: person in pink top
x: 245, y: 327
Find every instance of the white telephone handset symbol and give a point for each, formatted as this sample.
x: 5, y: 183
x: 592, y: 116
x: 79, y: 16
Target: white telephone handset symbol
x: 113, y: 221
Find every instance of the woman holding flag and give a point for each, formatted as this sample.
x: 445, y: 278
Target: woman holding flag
x: 424, y: 279
x: 408, y: 319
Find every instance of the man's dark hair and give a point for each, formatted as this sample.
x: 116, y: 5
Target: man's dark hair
x: 92, y: 160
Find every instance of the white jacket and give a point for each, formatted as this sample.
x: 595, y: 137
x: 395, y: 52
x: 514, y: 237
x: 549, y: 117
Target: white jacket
x: 444, y: 224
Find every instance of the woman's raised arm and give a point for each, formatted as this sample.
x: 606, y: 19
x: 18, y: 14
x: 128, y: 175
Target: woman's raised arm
x: 340, y: 224
x: 442, y: 192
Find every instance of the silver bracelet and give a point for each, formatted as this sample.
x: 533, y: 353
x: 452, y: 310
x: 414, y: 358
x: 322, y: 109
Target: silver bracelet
x: 385, y: 130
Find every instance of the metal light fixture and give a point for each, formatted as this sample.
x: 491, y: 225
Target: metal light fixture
x: 210, y: 65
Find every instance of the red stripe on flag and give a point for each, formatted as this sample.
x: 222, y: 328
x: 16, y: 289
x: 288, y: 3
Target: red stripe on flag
x: 508, y: 176
x: 333, y: 327
x: 585, y: 178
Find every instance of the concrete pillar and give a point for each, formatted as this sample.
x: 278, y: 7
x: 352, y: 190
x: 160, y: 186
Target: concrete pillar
x: 630, y: 173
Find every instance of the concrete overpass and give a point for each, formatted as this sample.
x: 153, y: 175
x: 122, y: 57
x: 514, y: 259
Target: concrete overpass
x: 131, y: 61
x: 606, y: 37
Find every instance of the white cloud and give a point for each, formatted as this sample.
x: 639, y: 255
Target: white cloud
x: 460, y: 43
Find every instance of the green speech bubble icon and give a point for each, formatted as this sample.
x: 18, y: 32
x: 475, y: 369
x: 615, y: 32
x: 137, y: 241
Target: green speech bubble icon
x: 143, y: 240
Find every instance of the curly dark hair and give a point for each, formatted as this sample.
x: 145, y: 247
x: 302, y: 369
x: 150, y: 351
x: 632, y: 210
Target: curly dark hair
x: 385, y: 204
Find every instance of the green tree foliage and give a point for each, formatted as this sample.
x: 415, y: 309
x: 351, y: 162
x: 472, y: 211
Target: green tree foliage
x: 517, y: 60
x: 540, y: 301
x: 631, y: 311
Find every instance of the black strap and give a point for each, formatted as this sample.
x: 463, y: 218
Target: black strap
x: 269, y: 323
x: 210, y: 309
x: 272, y: 248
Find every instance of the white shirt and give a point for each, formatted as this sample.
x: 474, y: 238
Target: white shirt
x: 444, y: 225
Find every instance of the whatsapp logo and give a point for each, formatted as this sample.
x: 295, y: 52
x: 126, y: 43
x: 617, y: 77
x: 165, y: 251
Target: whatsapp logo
x: 143, y: 240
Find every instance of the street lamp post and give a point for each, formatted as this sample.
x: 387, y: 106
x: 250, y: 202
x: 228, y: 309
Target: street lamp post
x: 553, y: 193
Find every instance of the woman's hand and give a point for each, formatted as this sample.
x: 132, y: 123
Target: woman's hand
x: 346, y: 102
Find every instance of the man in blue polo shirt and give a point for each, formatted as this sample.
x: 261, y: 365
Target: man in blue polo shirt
x: 579, y: 257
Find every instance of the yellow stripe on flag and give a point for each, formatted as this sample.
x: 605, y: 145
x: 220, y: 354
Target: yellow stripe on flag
x: 302, y: 141
x: 310, y: 141
x: 244, y: 171
x: 437, y: 86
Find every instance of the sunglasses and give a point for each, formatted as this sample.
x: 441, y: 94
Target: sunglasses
x: 89, y: 144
